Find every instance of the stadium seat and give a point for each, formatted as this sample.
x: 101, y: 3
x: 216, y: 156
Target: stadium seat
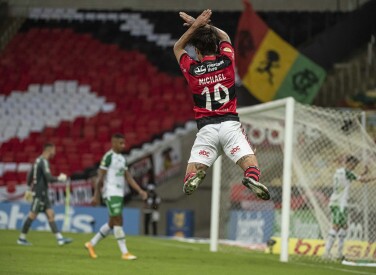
x: 11, y: 186
x: 95, y: 90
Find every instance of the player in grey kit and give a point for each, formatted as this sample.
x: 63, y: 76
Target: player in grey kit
x: 38, y: 179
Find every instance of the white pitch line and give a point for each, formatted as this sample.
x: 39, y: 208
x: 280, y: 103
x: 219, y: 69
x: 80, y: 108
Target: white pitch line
x: 181, y: 246
x: 338, y: 269
x: 176, y: 245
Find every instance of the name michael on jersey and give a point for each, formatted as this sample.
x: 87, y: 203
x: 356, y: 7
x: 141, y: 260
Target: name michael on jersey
x: 211, y: 79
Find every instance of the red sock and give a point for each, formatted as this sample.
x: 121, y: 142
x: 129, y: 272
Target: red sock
x: 252, y: 172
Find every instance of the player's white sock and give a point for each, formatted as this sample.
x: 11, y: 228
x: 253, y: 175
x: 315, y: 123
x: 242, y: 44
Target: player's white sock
x: 341, y: 241
x: 330, y: 241
x: 22, y: 236
x: 102, y: 233
x: 58, y: 235
x: 120, y: 237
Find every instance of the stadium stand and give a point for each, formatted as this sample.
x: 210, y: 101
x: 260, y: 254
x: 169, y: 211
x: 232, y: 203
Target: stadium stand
x: 69, y: 113
x: 153, y: 34
x: 73, y: 77
x: 3, y: 13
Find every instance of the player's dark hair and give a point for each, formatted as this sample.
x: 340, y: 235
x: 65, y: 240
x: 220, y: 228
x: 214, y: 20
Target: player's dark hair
x: 352, y: 159
x: 205, y: 39
x: 118, y: 135
x: 48, y: 145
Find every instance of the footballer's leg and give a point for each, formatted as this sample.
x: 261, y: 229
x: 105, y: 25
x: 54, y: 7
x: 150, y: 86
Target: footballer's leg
x: 251, y: 177
x: 203, y: 154
x: 51, y: 220
x: 342, y: 232
x: 25, y: 228
x: 238, y: 148
x: 330, y: 241
x: 341, y: 242
x: 34, y: 210
x: 115, y: 209
x: 103, y: 232
x: 91, y: 250
x: 147, y: 219
x: 194, y: 176
x: 333, y: 232
x: 120, y: 238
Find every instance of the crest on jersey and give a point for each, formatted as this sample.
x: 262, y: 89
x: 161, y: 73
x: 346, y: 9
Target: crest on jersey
x: 200, y: 70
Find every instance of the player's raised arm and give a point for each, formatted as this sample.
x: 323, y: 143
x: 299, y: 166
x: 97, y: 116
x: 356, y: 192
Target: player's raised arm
x: 189, y: 20
x: 222, y: 35
x: 179, y: 46
x: 365, y: 177
x: 134, y: 185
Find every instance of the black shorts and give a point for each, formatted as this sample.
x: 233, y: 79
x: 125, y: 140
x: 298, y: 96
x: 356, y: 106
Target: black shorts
x: 40, y: 204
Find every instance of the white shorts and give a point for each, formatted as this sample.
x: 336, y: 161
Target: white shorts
x: 214, y: 139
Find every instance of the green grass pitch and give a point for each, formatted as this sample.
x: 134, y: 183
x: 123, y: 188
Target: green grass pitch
x: 155, y: 256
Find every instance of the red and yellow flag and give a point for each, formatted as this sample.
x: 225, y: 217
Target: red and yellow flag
x: 270, y: 68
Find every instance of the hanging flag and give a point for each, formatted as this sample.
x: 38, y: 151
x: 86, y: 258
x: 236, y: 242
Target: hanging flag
x: 269, y: 67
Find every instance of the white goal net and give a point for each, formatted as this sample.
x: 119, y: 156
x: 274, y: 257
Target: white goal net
x: 298, y: 157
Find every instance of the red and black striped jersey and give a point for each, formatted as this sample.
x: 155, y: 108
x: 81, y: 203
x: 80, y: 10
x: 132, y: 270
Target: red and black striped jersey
x: 212, y: 82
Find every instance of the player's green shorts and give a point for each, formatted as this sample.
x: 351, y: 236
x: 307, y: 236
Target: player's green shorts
x: 40, y: 204
x: 339, y: 216
x: 114, y: 206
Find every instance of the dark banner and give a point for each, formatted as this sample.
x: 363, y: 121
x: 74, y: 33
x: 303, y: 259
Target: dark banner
x: 340, y: 41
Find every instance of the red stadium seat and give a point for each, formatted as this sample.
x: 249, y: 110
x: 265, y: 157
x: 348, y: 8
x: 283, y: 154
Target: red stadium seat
x: 147, y: 101
x: 11, y: 186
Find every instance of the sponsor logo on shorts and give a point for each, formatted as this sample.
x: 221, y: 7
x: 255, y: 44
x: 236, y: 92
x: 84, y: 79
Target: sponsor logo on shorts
x: 204, y: 153
x: 235, y: 150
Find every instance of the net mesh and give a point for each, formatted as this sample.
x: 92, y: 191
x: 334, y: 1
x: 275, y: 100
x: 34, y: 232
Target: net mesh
x: 323, y: 140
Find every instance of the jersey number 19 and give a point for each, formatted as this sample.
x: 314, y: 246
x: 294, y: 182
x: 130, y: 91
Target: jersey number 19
x: 217, y: 101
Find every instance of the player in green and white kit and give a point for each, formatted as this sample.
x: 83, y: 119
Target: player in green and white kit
x: 338, y: 204
x: 113, y: 172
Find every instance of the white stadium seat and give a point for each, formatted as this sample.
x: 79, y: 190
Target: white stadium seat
x: 24, y: 112
x: 23, y: 167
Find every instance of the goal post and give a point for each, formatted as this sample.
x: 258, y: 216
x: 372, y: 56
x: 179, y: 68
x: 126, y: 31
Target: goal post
x: 215, y: 200
x: 286, y: 186
x: 216, y: 185
x: 299, y: 148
